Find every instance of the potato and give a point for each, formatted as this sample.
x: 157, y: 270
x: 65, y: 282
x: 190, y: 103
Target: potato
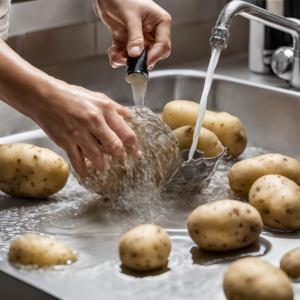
x: 208, y: 142
x: 224, y: 225
x: 145, y: 248
x: 277, y: 199
x: 290, y: 263
x: 227, y: 128
x: 254, y: 279
x: 31, y: 172
x: 160, y: 159
x: 244, y: 173
x: 34, y: 249
x: 180, y: 113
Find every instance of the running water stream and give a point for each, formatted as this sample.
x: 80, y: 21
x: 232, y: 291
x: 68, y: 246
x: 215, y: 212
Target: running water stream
x: 203, y: 103
x: 139, y: 86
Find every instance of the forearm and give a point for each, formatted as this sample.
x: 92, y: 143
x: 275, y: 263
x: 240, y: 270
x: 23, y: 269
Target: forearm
x: 21, y: 84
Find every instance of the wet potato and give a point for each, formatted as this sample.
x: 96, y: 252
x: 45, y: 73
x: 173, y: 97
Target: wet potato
x: 208, y: 142
x: 31, y: 172
x: 33, y: 249
x: 244, y: 173
x: 254, y: 279
x: 145, y: 248
x: 227, y: 128
x: 290, y: 263
x: 277, y: 199
x: 224, y: 225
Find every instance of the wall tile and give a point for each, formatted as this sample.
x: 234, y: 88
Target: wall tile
x: 61, y: 44
x: 190, y: 11
x: 103, y: 38
x: 44, y: 14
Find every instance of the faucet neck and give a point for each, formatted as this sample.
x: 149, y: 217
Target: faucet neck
x: 252, y: 12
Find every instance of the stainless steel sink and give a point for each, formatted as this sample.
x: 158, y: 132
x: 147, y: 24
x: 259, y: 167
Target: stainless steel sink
x: 75, y: 217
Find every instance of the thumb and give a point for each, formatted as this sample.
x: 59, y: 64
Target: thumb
x: 135, y: 44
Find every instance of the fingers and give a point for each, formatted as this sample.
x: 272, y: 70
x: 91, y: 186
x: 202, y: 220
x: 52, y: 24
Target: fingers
x: 117, y: 56
x: 136, y: 151
x: 119, y: 126
x: 122, y: 111
x: 77, y: 160
x: 93, y: 151
x: 135, y: 44
x: 162, y: 47
x: 111, y: 143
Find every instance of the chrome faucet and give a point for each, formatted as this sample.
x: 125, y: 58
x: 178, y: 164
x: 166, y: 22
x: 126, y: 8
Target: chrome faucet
x: 281, y: 63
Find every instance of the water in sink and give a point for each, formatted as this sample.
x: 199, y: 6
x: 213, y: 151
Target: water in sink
x: 92, y: 226
x: 203, y: 102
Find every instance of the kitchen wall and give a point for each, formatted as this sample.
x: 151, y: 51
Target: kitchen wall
x: 63, y: 37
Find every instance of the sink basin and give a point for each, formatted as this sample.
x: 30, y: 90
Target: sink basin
x: 92, y: 228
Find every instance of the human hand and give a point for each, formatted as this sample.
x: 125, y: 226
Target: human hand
x: 85, y: 124
x: 82, y: 122
x: 135, y: 25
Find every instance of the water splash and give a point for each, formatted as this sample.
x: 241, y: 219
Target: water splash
x: 138, y: 178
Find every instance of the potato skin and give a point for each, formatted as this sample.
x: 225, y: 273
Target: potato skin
x: 145, y: 248
x: 180, y: 113
x: 39, y: 250
x: 244, y: 173
x: 290, y: 263
x: 28, y: 171
x: 227, y: 128
x: 224, y: 225
x: 277, y: 199
x: 208, y: 142
x: 254, y: 279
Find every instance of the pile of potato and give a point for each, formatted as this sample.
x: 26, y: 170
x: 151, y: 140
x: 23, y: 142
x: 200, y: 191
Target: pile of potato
x: 271, y: 182
x: 217, y: 129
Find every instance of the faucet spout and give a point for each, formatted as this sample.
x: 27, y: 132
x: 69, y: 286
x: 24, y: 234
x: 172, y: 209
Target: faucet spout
x: 220, y: 33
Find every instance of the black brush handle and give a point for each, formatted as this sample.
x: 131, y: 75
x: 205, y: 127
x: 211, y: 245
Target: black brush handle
x: 137, y: 65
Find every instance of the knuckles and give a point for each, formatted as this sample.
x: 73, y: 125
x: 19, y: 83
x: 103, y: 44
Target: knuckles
x: 166, y: 17
x: 106, y: 104
x: 129, y: 139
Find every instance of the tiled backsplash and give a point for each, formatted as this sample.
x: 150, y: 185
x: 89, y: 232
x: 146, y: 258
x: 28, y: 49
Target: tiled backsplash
x: 75, y: 40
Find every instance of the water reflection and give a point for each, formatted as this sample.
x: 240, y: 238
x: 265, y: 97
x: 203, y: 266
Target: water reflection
x: 129, y: 272
x: 202, y: 257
